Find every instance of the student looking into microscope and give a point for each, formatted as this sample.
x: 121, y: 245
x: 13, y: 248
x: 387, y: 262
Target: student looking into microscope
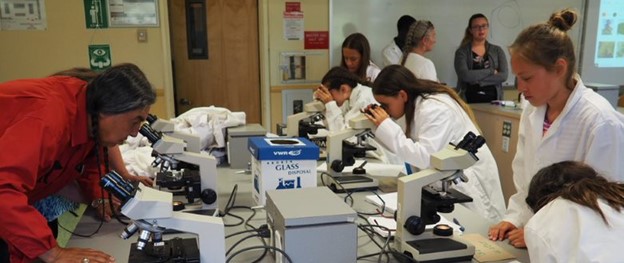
x: 435, y: 116
x: 55, y: 131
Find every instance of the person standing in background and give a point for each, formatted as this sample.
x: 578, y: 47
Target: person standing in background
x: 592, y: 209
x: 393, y: 52
x: 356, y: 57
x: 481, y: 67
x: 421, y: 38
x: 564, y: 121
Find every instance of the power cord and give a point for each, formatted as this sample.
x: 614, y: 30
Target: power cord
x: 259, y: 247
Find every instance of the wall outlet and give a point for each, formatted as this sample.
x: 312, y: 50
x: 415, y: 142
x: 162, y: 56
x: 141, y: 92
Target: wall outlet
x: 142, y: 35
x: 506, y: 144
x: 506, y: 135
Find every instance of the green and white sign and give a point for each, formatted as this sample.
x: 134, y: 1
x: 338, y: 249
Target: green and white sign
x: 99, y: 57
x: 96, y: 13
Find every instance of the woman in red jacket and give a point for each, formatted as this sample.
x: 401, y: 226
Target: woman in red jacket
x: 50, y: 130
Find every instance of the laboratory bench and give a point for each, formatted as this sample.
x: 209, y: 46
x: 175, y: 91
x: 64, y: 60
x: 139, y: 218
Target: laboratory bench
x: 499, y: 125
x: 108, y: 240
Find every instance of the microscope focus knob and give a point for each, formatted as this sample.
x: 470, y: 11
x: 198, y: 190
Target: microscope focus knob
x: 337, y: 166
x: 208, y: 196
x: 415, y: 225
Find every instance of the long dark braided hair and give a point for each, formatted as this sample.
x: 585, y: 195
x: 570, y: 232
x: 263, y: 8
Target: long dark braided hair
x: 119, y: 89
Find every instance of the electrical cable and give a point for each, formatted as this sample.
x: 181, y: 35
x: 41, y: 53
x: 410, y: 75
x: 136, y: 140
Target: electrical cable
x: 259, y: 247
x: 239, y: 242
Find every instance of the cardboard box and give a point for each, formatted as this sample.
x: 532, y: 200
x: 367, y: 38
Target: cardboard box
x: 281, y: 163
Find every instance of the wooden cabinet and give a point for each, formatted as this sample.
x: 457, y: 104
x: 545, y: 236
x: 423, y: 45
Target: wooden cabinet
x: 491, y: 119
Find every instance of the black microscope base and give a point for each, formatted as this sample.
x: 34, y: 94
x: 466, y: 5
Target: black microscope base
x: 435, y: 245
x: 176, y: 250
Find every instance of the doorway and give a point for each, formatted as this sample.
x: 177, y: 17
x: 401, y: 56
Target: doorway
x: 230, y: 76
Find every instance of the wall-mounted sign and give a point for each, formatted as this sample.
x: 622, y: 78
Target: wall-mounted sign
x: 96, y: 13
x: 316, y: 40
x: 23, y: 15
x: 133, y: 13
x: 100, y: 57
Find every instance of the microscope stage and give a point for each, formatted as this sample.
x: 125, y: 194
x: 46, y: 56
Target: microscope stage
x: 174, y: 250
x: 352, y: 183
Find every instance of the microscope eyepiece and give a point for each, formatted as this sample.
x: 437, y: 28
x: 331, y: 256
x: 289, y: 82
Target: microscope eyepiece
x: 151, y: 118
x: 117, y: 186
x: 471, y: 142
x: 466, y: 140
x: 147, y: 131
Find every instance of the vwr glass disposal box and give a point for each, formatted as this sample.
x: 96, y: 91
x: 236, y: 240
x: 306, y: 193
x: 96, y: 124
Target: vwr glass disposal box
x: 281, y: 163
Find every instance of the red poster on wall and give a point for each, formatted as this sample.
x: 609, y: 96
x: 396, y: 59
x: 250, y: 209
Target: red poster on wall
x: 293, y: 6
x: 316, y: 40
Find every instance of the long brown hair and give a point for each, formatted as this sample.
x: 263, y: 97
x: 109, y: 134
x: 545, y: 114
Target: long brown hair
x: 358, y: 42
x: 544, y: 43
x: 395, y: 78
x: 577, y: 182
x: 467, y: 34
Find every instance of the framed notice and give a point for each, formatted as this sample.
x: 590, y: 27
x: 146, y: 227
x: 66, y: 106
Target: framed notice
x: 133, y: 13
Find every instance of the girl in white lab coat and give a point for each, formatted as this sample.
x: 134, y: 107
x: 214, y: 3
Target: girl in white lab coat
x: 356, y: 57
x: 579, y: 215
x: 421, y: 38
x: 435, y: 116
x: 564, y: 121
x: 344, y: 97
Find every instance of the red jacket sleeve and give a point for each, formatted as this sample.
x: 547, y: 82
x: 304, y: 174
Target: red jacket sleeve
x: 24, y: 151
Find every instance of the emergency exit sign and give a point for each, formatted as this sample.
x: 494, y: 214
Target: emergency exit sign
x: 96, y: 13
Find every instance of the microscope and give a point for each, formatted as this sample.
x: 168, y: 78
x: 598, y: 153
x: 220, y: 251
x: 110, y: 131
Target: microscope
x: 193, y: 142
x: 341, y: 152
x: 423, y: 194
x: 152, y: 213
x: 194, y: 173
x: 304, y: 123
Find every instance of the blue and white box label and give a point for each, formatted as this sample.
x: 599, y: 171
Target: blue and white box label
x: 281, y: 163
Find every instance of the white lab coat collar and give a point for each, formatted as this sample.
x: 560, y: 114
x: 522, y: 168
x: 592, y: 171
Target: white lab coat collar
x: 539, y: 113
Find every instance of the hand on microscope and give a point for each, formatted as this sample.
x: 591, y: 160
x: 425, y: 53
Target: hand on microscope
x: 118, y: 164
x: 377, y: 114
x: 504, y: 230
x: 141, y: 179
x: 103, y: 208
x: 322, y: 93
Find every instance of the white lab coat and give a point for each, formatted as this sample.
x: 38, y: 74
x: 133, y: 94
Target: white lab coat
x: 564, y: 231
x: 437, y: 121
x: 588, y: 130
x: 337, y: 117
x: 422, y: 67
x: 372, y: 71
x: 391, y: 54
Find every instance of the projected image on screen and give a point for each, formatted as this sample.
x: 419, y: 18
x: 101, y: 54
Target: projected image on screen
x: 610, y: 37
